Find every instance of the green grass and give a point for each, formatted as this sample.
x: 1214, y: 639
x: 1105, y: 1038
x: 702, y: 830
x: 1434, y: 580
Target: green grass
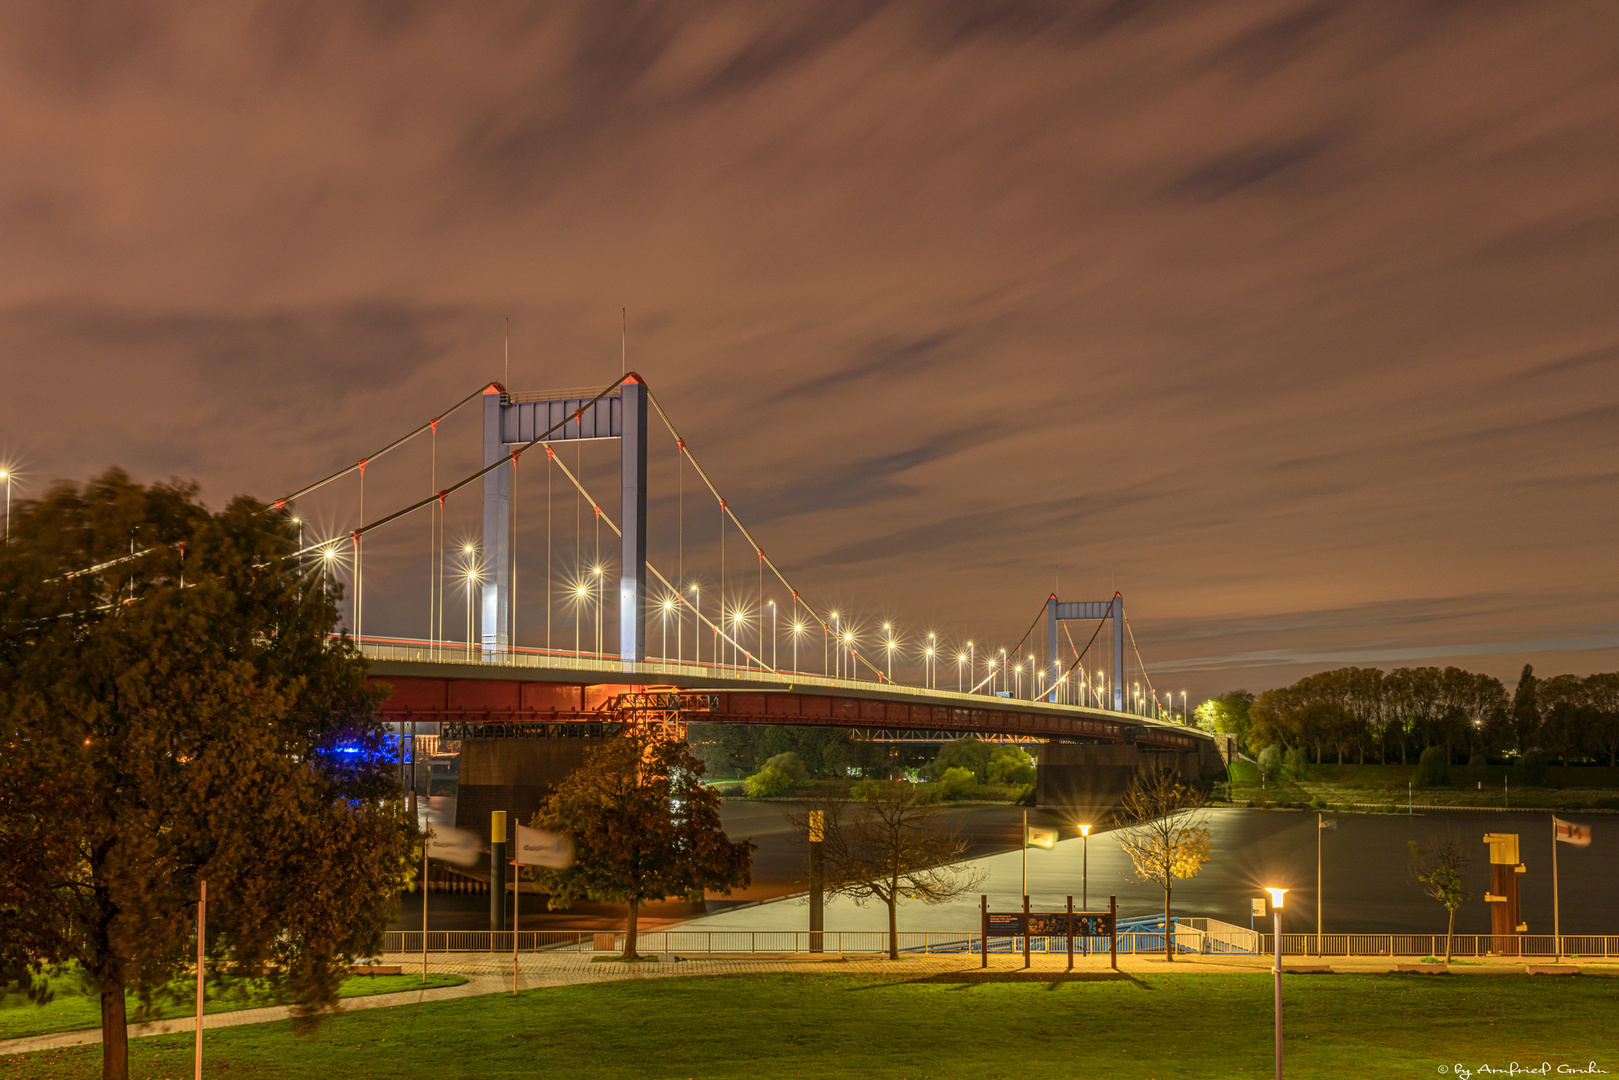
x: 74, y: 1007
x: 957, y: 1025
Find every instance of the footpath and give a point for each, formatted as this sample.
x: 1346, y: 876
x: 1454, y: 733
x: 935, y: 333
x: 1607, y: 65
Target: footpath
x: 488, y: 973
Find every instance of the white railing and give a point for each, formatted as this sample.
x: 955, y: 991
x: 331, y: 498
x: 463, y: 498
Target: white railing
x: 1188, y: 941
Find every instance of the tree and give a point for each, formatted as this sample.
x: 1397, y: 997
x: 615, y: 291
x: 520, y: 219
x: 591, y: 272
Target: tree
x: 1439, y: 873
x: 644, y: 828
x: 769, y: 783
x: 1525, y: 711
x: 1433, y: 767
x: 970, y: 753
x: 173, y: 711
x: 1227, y: 714
x: 1602, y: 691
x: 886, y: 847
x: 1164, y: 835
x: 1010, y: 765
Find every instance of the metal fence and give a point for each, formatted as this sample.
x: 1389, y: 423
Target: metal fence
x: 873, y: 942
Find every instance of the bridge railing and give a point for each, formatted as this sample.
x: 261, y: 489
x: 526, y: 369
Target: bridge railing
x: 862, y: 942
x: 442, y: 652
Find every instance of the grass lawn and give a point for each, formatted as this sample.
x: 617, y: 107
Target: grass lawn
x: 74, y: 1007
x: 928, y: 1025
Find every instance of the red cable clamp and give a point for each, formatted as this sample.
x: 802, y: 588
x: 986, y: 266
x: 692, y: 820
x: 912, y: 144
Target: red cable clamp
x: 362, y: 463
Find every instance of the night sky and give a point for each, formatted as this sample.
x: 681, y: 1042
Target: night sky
x: 1295, y: 322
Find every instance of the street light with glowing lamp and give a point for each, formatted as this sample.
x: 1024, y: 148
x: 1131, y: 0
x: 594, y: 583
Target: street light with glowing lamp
x: 798, y: 629
x: 697, y: 625
x: 890, y: 645
x: 961, y: 659
x: 736, y: 633
x: 772, y: 604
x: 1276, y: 907
x: 668, y: 606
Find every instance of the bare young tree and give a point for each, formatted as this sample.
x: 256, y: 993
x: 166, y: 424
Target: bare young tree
x: 1438, y: 871
x: 886, y: 847
x: 1164, y: 835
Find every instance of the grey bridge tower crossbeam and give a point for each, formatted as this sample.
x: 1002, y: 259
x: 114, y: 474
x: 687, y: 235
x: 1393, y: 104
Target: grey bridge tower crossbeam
x: 1087, y: 611
x: 508, y: 421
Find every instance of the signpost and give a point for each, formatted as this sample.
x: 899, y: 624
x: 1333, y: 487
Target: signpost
x: 1028, y: 924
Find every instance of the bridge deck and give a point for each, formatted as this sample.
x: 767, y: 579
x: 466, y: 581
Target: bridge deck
x: 527, y: 688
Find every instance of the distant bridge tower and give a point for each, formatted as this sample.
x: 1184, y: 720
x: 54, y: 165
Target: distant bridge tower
x: 509, y: 420
x: 1087, y: 611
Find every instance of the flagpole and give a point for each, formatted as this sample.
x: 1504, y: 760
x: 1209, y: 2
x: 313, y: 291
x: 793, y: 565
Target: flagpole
x: 517, y: 899
x: 1557, y: 915
x: 1025, y: 854
x: 427, y: 838
x: 1318, y: 883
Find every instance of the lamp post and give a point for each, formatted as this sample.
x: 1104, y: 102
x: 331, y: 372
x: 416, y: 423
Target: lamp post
x: 891, y: 645
x: 837, y: 635
x: 598, y: 572
x: 847, y: 661
x: 961, y: 659
x: 697, y: 626
x: 972, y: 659
x: 1085, y: 869
x: 772, y: 636
x: 1276, y: 907
x: 927, y: 666
x: 1185, y: 717
x: 581, y: 596
x: 668, y: 604
x: 736, y: 634
x: 798, y: 629
x: 472, y: 576
x: 6, y: 475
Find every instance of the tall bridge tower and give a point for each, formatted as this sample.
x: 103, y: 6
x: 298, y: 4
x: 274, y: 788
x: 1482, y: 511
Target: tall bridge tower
x: 1059, y: 611
x: 513, y: 420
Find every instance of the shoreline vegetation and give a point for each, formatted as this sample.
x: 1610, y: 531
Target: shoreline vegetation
x: 1393, y: 788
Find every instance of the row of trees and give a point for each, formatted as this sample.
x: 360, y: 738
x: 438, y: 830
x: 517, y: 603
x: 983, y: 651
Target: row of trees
x: 1358, y: 714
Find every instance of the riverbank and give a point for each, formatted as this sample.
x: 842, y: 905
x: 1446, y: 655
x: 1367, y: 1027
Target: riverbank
x: 1393, y: 789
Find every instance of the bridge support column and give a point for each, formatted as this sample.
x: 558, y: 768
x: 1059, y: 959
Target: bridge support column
x: 632, y: 567
x: 1054, y: 661
x: 1118, y: 652
x: 495, y: 560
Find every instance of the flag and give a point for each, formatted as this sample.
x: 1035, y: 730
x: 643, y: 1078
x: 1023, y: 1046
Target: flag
x: 1570, y: 833
x: 1329, y: 823
x: 1042, y: 838
x: 452, y: 845
x: 535, y: 847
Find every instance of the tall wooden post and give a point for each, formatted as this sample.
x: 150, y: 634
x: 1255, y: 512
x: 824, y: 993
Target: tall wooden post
x: 1113, y: 920
x: 817, y: 912
x: 1070, y: 931
x: 983, y: 937
x: 1505, y: 914
x: 1025, y: 929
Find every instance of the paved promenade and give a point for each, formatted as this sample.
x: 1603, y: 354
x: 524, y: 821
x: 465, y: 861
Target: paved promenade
x: 492, y: 974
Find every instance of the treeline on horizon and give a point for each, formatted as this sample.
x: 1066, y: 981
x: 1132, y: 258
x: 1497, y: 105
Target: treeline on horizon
x: 1359, y: 715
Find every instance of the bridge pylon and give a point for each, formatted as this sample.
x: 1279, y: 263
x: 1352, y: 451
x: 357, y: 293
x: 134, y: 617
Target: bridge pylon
x: 1060, y: 611
x: 515, y: 420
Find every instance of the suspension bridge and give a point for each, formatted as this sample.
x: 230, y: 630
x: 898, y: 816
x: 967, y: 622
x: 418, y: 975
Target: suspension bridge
x: 717, y: 633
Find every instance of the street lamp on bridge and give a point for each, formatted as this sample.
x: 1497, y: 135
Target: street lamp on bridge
x: 889, y: 645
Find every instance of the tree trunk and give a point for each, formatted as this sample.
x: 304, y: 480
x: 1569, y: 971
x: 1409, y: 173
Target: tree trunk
x: 1169, y: 943
x: 114, y: 1035
x: 893, y: 924
x: 1450, y: 932
x: 629, y: 931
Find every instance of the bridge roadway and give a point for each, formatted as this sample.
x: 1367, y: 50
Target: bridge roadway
x: 525, y: 721
x: 479, y: 698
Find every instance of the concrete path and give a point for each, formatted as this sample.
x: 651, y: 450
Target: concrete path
x: 492, y: 974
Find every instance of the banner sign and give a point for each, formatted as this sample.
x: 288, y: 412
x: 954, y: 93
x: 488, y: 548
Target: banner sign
x: 536, y: 847
x: 452, y: 845
x: 1050, y: 924
x: 1570, y: 833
